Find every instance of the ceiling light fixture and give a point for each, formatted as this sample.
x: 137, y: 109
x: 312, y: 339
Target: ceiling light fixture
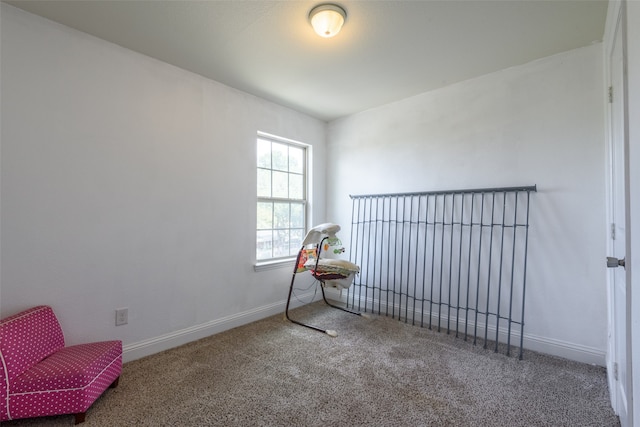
x: 327, y: 19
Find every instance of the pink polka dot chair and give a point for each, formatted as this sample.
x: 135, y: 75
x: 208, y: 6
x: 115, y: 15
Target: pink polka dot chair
x: 39, y: 376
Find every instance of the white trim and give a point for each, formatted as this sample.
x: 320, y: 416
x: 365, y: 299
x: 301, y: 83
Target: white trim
x: 160, y: 343
x: 632, y: 39
x: 133, y: 351
x: 550, y: 346
x: 274, y: 264
x: 282, y: 139
x: 613, y: 15
x: 565, y: 349
x: 612, y: 24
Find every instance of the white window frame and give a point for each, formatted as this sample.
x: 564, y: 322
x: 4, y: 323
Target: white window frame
x: 276, y: 262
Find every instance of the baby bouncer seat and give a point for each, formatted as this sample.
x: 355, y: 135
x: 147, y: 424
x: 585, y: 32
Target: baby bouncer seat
x: 328, y: 271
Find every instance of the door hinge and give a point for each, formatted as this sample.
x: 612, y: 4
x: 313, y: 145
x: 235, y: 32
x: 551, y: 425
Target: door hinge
x: 613, y: 231
x: 610, y: 94
x: 615, y: 371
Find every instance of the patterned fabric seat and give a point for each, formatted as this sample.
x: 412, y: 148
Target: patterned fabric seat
x: 330, y: 272
x: 39, y: 376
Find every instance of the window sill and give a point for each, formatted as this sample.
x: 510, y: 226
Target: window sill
x: 272, y: 265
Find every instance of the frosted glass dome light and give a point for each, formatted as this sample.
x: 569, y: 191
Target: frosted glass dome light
x: 327, y: 19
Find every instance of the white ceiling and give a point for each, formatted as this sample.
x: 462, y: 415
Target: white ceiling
x: 387, y: 50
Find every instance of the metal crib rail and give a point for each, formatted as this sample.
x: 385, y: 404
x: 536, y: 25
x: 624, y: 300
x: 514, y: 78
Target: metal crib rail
x: 452, y: 260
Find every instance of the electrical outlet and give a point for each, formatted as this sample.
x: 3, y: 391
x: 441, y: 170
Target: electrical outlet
x: 122, y: 316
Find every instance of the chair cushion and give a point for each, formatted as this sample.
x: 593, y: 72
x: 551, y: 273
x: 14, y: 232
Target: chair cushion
x: 341, y: 264
x: 329, y: 269
x: 28, y: 337
x: 78, y: 376
x: 40, y: 377
x: 72, y: 367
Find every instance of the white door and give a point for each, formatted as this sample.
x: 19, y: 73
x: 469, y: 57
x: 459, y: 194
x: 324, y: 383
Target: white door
x: 619, y: 344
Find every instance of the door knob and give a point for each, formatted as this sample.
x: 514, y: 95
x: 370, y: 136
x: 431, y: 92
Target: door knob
x: 614, y: 262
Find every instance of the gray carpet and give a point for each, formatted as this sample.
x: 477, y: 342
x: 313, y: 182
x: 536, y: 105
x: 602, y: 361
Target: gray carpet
x: 377, y: 372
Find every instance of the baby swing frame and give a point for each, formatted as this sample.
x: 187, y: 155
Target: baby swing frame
x: 322, y: 276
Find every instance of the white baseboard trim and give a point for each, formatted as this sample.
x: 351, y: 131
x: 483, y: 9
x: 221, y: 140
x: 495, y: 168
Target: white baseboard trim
x: 565, y: 349
x: 160, y: 343
x: 551, y: 346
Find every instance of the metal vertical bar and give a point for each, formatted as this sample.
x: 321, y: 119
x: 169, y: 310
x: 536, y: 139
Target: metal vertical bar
x: 360, y: 240
x: 395, y: 258
x: 401, y: 260
x: 367, y: 246
x: 352, y: 248
x: 378, y: 253
x: 405, y: 263
x: 405, y: 258
x: 424, y: 257
x: 475, y: 324
x: 459, y: 264
x: 466, y: 305
x: 374, y: 223
x: 363, y: 225
x: 504, y: 206
x: 513, y: 265
x: 387, y: 217
x: 444, y: 209
x: 433, y: 251
x: 381, y: 255
x: 371, y: 255
x: 363, y: 270
x: 486, y: 322
x: 453, y: 208
x: 411, y: 225
x: 391, y: 257
x: 355, y: 246
x: 388, y: 256
x: 406, y: 306
x: 381, y: 250
x: 415, y: 264
x: 524, y: 275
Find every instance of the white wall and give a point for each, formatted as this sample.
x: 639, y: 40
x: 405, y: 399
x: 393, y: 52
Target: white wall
x: 540, y: 123
x: 127, y: 182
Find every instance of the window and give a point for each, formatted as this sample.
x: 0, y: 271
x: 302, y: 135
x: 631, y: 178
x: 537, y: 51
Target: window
x: 281, y: 209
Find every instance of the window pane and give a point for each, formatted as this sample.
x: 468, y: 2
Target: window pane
x: 280, y: 156
x: 297, y: 215
x: 264, y: 153
x: 264, y: 183
x: 281, y: 215
x: 264, y: 245
x: 281, y: 243
x: 296, y: 189
x: 265, y: 216
x: 296, y: 160
x: 281, y: 206
x: 296, y: 241
x: 281, y: 184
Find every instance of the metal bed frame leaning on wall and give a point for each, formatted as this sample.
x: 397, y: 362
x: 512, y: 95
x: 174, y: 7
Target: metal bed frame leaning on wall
x: 455, y: 260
